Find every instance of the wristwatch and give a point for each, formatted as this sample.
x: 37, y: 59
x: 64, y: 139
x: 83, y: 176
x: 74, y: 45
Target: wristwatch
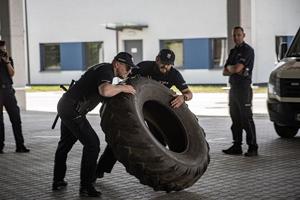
x: 185, y: 97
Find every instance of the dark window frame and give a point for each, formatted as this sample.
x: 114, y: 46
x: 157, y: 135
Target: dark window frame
x: 100, y: 51
x: 279, y: 39
x: 87, y: 62
x: 166, y: 44
x: 43, y: 58
x: 223, y: 55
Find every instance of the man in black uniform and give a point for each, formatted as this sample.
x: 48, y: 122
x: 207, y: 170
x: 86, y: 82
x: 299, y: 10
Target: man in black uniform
x: 239, y: 67
x: 8, y: 100
x: 93, y: 87
x: 161, y: 70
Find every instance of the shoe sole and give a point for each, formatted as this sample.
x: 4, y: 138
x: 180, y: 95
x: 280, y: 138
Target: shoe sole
x: 100, y: 176
x: 58, y: 188
x: 250, y: 155
x: 232, y: 153
x: 87, y: 195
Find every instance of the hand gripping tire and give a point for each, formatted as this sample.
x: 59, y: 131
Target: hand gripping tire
x: 170, y: 157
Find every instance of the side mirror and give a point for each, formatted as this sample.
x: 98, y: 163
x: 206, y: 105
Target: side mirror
x: 282, y: 50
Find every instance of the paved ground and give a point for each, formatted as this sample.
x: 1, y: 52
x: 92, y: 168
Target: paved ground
x: 274, y: 174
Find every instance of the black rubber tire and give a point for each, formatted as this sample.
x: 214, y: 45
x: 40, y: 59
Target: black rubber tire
x: 171, y: 157
x: 286, y: 131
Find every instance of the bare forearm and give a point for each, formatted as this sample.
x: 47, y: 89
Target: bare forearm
x: 235, y: 69
x: 109, y: 90
x: 180, y: 99
x: 226, y: 72
x: 188, y: 95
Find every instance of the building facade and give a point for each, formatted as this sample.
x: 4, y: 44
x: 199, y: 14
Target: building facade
x: 65, y: 37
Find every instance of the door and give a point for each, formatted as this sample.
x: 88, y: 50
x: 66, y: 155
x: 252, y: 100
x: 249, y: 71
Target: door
x: 135, y: 48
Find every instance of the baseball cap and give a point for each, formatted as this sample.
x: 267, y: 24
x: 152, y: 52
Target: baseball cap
x: 125, y: 58
x: 166, y: 56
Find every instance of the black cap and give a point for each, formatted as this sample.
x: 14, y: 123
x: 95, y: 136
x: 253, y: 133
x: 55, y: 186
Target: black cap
x: 166, y: 56
x: 125, y: 58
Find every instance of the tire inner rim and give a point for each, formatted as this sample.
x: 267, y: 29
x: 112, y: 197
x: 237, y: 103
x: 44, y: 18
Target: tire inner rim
x: 165, y: 126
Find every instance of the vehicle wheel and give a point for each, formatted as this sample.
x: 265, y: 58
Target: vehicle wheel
x: 163, y: 147
x: 286, y: 131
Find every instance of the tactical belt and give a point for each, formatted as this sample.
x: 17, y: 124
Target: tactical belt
x: 5, y: 86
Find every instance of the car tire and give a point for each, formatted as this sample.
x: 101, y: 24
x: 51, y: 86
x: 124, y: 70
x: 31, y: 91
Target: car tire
x: 286, y: 131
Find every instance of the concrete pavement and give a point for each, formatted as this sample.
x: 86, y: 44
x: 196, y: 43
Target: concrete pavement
x: 274, y: 174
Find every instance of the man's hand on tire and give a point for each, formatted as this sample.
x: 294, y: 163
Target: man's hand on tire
x: 177, y: 101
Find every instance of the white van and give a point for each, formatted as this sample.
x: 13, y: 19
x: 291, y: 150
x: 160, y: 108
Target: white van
x: 284, y: 90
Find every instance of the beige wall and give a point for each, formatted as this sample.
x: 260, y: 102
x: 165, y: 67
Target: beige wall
x: 13, y: 32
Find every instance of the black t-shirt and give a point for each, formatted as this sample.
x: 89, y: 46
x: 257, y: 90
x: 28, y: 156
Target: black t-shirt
x: 86, y: 88
x: 5, y: 78
x: 151, y: 69
x: 243, y: 54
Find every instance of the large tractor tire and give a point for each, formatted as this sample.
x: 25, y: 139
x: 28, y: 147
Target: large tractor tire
x: 286, y: 131
x: 164, y: 148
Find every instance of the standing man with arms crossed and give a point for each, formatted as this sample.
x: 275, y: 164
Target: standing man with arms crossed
x: 9, y: 101
x: 93, y: 87
x: 161, y: 70
x: 238, y: 67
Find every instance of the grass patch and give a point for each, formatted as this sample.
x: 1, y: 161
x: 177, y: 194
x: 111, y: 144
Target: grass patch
x: 262, y: 89
x: 218, y: 89
x: 43, y: 88
x: 207, y: 89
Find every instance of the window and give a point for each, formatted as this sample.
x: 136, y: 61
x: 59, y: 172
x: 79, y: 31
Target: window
x: 282, y: 39
x: 177, y: 47
x: 93, y: 53
x: 219, y: 52
x: 50, y: 56
x: 198, y: 53
x: 70, y: 56
x: 294, y: 50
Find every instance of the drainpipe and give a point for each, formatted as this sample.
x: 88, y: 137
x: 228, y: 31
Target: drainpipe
x: 27, y: 43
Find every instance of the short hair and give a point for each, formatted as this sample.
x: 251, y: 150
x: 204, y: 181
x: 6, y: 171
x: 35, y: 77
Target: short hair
x: 238, y: 27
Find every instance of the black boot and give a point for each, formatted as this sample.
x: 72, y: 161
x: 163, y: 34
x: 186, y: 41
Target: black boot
x: 22, y: 149
x: 89, y: 191
x: 58, y: 185
x: 1, y: 149
x: 234, y: 150
x: 100, y: 174
x: 252, y: 151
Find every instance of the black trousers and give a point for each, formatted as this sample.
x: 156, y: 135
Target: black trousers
x: 76, y: 127
x: 240, y: 103
x: 9, y: 101
x: 106, y: 161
